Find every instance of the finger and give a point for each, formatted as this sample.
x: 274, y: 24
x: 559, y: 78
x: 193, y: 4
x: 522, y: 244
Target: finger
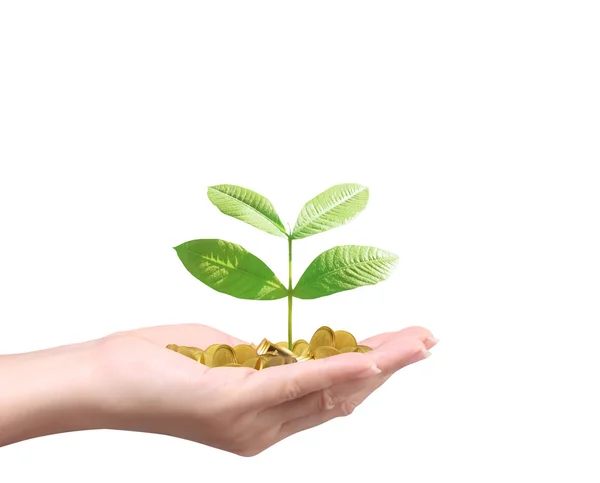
x: 344, y: 408
x: 319, y: 401
x: 398, y: 352
x: 414, y: 331
x: 378, y: 381
x: 280, y: 384
x: 294, y: 426
x: 195, y: 335
x: 404, y: 353
x: 384, y: 376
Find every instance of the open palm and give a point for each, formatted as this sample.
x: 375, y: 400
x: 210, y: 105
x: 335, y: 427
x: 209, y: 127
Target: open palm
x: 148, y: 388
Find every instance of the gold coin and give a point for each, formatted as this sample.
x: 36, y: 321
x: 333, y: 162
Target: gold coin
x: 193, y: 352
x: 223, y: 355
x: 188, y: 351
x: 262, y: 360
x: 299, y: 346
x: 323, y: 336
x: 244, y: 352
x: 284, y: 351
x: 344, y: 339
x: 206, y: 359
x: 211, y: 349
x: 263, y: 347
x: 324, y: 343
x: 306, y: 356
x: 325, y: 351
x: 274, y: 361
x: 254, y: 363
x: 200, y: 357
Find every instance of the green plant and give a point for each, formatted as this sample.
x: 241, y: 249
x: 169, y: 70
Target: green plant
x: 230, y: 269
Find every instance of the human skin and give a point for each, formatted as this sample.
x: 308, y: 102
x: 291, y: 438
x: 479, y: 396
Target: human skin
x: 129, y: 381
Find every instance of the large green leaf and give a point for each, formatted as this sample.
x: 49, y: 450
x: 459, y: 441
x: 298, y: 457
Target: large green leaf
x: 229, y: 268
x: 344, y: 268
x: 248, y: 206
x: 334, y: 207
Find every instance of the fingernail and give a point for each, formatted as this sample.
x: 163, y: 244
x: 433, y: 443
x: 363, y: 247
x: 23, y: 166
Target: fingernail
x: 425, y: 353
x: 432, y: 341
x: 370, y: 371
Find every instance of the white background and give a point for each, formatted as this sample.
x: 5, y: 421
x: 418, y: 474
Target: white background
x: 475, y: 125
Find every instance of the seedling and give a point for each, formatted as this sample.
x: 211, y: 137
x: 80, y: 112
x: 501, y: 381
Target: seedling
x: 230, y: 269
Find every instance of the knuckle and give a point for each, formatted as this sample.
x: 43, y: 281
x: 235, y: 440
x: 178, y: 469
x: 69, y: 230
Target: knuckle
x: 347, y: 407
x: 292, y: 390
x: 326, y: 400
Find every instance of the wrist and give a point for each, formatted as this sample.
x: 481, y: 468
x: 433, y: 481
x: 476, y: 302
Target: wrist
x: 47, y: 392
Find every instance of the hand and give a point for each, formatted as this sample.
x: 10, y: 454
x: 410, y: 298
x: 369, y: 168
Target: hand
x: 131, y: 382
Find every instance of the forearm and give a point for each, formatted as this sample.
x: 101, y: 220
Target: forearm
x: 46, y: 392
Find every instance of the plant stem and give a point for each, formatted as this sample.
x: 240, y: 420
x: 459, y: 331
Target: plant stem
x: 290, y: 341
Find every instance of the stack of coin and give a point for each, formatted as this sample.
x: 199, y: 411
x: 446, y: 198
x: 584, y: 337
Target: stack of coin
x: 324, y: 343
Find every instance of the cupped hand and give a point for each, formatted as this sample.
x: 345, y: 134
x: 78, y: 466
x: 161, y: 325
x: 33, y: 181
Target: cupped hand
x: 144, y: 387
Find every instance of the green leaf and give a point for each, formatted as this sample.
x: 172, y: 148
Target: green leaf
x: 248, y: 206
x: 229, y: 268
x: 334, y: 207
x: 344, y: 268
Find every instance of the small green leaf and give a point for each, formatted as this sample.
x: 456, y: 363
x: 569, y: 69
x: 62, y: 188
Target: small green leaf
x: 334, y: 207
x: 248, y: 206
x: 344, y: 268
x: 229, y: 268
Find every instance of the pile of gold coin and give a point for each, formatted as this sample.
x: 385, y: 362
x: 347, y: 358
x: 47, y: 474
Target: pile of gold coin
x: 324, y: 343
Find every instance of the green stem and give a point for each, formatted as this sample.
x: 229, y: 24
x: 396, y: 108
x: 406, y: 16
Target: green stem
x: 290, y: 341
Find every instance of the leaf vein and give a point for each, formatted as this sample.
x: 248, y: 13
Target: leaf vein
x: 250, y: 274
x: 389, y: 261
x: 262, y: 215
